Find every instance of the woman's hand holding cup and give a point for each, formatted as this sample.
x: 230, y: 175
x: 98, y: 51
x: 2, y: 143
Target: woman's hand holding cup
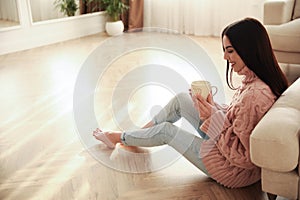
x: 203, y: 99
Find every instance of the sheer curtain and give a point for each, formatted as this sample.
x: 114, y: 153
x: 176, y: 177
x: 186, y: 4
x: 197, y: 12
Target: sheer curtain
x: 198, y: 17
x: 8, y: 10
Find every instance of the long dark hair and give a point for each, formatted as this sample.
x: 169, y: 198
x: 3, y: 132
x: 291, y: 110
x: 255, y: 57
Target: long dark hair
x: 251, y: 41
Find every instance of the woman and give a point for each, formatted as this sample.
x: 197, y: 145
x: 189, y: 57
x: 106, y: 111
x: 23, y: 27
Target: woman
x: 222, y: 152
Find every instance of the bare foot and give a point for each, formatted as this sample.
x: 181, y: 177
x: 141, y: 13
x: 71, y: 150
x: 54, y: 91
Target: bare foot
x: 112, y: 138
x: 108, y: 138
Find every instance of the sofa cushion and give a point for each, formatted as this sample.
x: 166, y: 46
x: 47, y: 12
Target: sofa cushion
x: 285, y: 37
x: 296, y: 13
x: 274, y: 142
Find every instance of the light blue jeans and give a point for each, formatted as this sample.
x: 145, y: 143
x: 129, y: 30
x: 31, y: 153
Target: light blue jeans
x: 164, y: 132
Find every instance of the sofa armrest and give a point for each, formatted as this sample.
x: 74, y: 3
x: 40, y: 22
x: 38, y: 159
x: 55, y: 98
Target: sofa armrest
x: 274, y: 142
x: 278, y: 11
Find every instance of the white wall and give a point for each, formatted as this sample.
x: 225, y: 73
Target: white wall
x: 29, y: 35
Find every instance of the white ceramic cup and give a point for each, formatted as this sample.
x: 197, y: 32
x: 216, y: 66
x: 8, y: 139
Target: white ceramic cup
x: 203, y: 88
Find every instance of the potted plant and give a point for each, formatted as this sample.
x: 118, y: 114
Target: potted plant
x: 68, y: 7
x: 114, y: 8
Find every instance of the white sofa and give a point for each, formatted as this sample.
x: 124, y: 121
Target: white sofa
x: 282, y: 21
x: 274, y: 145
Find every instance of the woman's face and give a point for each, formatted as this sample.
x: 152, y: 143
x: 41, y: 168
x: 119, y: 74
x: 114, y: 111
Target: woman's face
x: 232, y: 56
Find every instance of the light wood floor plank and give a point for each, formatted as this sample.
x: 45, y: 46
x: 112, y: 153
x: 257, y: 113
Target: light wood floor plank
x: 41, y: 154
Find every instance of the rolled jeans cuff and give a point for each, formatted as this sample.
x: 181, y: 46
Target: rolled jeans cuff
x: 123, y: 138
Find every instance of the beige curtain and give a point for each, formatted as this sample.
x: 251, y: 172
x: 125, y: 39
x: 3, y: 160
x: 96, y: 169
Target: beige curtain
x: 85, y: 7
x: 134, y: 17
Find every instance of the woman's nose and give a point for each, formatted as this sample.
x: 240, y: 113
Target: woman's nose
x: 225, y: 56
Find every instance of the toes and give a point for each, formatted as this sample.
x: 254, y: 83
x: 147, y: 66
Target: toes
x: 95, y: 133
x: 98, y: 130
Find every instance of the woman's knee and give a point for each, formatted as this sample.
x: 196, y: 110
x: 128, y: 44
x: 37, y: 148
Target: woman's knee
x: 182, y: 96
x: 166, y: 126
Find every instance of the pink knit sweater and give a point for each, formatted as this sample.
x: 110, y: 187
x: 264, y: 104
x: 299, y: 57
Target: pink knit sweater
x: 226, y: 154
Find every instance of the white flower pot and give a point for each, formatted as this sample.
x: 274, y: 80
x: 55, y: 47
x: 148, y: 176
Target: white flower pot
x: 114, y: 28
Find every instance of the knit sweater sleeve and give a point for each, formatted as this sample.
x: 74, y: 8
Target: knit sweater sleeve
x: 232, y: 130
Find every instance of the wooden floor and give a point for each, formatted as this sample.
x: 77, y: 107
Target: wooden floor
x: 42, y: 155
